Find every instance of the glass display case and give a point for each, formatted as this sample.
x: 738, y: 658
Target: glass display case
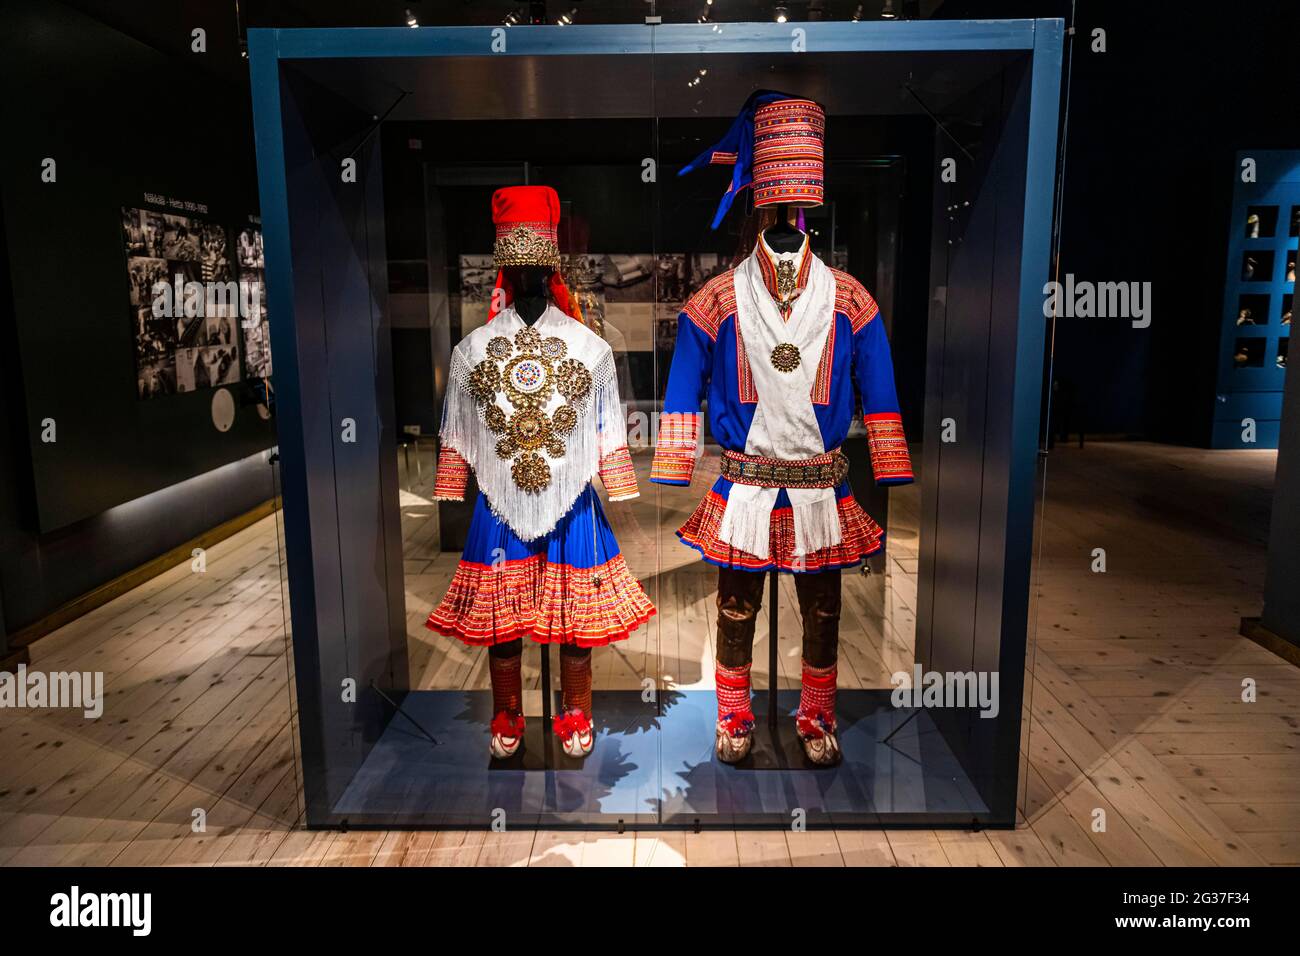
x: 381, y: 155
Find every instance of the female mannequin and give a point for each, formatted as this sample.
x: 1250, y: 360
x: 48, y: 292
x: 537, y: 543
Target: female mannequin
x: 530, y: 297
x: 533, y: 410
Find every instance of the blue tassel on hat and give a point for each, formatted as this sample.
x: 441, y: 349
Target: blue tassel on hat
x: 736, y: 148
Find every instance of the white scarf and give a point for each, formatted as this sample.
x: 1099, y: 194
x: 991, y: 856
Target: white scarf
x: 601, y: 427
x: 785, y: 425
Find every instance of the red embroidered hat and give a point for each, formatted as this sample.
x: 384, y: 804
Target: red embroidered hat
x: 789, y: 138
x: 526, y: 217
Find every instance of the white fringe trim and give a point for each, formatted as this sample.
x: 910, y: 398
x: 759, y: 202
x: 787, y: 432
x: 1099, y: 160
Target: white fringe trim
x: 747, y: 520
x: 816, y: 520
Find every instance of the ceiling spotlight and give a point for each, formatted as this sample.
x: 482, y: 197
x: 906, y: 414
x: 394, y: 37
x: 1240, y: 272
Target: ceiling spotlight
x: 566, y: 19
x: 781, y: 14
x: 410, y: 19
x: 857, y: 14
x: 888, y: 12
x: 511, y: 18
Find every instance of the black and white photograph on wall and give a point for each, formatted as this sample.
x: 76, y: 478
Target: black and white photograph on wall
x: 214, y: 254
x: 257, y: 350
x: 142, y: 233
x: 143, y: 273
x: 256, y: 330
x: 703, y: 267
x: 219, y: 329
x: 182, y: 253
x: 157, y: 378
x: 155, y: 336
x: 190, y: 329
x: 477, y: 276
x: 133, y: 234
x: 180, y: 238
x: 618, y: 288
x: 250, y: 248
x: 206, y: 367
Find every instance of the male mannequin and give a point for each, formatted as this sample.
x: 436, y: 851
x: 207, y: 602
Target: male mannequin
x: 787, y: 352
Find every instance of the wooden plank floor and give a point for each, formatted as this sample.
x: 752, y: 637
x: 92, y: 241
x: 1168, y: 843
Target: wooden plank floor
x: 1138, y: 748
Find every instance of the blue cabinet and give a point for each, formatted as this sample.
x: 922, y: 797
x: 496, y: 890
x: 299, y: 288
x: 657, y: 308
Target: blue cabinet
x: 1257, y: 300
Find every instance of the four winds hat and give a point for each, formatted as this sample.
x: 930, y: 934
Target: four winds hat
x: 526, y: 218
x: 776, y: 145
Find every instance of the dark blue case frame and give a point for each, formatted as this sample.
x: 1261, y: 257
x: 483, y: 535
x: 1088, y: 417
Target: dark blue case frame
x: 325, y: 262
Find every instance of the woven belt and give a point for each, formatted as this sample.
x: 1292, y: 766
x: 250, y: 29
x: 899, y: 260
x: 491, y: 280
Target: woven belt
x: 823, y: 471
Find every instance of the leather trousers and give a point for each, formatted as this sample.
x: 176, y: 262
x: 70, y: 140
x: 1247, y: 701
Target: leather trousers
x: 740, y: 597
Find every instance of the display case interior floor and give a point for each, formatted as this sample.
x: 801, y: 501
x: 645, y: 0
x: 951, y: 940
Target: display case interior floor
x: 653, y: 764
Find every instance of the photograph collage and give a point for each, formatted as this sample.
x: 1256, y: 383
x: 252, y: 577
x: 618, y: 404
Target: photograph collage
x: 176, y: 351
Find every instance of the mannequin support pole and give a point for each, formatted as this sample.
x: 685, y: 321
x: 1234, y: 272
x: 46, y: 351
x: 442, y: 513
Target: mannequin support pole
x: 771, y: 650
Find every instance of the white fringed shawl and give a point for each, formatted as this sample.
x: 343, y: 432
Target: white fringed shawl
x: 601, y: 426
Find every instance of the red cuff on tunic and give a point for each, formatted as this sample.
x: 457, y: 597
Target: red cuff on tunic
x: 890, y: 460
x: 617, y: 474
x: 452, y: 477
x: 674, y: 461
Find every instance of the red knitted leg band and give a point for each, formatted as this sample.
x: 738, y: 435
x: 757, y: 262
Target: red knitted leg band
x: 733, y: 690
x: 575, y: 682
x: 817, y: 700
x: 507, y: 684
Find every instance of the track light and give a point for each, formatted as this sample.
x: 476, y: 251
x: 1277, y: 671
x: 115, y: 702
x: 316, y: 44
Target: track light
x: 511, y: 18
x: 411, y: 21
x: 781, y: 14
x: 888, y: 12
x: 857, y: 14
x: 565, y: 19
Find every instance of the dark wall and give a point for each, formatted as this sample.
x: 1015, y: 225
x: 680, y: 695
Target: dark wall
x: 120, y: 119
x: 1153, y: 126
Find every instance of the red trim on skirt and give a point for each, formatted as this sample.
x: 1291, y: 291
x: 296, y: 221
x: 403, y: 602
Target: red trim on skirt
x: 548, y: 603
x: 860, y: 537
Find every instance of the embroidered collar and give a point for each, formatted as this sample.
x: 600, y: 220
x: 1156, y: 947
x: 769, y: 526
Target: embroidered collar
x: 785, y: 274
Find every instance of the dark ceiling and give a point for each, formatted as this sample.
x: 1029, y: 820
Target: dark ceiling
x: 166, y: 25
